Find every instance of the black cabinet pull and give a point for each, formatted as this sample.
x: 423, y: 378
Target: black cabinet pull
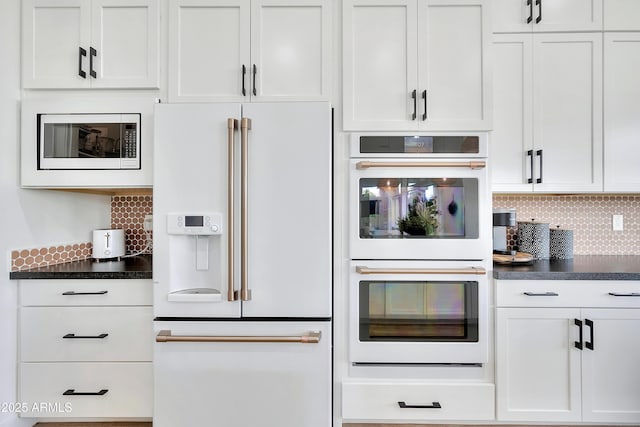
x: 244, y: 73
x: 530, y: 4
x: 530, y: 155
x: 542, y: 294
x: 415, y: 105
x: 92, y: 53
x: 255, y: 71
x: 73, y: 392
x: 424, y: 97
x: 578, y: 344
x: 631, y: 294
x: 101, y: 336
x: 82, y: 52
x: 434, y: 405
x: 539, y: 154
x: 84, y: 293
x: 589, y: 344
x: 539, y: 4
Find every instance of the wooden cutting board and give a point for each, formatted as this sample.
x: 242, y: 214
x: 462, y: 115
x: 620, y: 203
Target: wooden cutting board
x: 518, y: 258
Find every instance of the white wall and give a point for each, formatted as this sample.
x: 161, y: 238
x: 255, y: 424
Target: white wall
x: 28, y: 218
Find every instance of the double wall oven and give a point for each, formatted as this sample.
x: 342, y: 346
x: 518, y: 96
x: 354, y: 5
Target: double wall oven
x: 420, y: 242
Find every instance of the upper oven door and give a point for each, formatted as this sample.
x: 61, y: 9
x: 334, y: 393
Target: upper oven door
x: 418, y: 312
x: 422, y: 208
x: 88, y: 141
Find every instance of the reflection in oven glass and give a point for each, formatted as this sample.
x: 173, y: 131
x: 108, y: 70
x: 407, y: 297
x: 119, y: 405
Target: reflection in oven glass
x: 418, y: 207
x: 418, y: 311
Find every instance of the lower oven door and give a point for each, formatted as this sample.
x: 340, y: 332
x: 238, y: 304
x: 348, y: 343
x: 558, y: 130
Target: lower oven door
x: 418, y: 312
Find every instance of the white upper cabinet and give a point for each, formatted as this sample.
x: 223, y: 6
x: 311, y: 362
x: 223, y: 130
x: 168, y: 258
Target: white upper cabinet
x: 83, y: 44
x: 621, y: 112
x: 516, y: 16
x: 548, y: 113
x: 416, y: 65
x: 240, y: 50
x: 621, y: 15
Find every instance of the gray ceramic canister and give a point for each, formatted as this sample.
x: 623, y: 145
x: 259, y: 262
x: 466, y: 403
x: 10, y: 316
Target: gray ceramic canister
x: 561, y: 243
x: 533, y: 238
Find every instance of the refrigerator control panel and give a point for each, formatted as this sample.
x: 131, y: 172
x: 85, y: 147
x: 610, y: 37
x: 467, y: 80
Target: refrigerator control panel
x: 189, y: 223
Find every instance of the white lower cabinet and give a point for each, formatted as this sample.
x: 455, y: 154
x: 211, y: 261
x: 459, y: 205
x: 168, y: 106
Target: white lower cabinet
x: 559, y: 362
x: 85, y: 349
x: 397, y: 401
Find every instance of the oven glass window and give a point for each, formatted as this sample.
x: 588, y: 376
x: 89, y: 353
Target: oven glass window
x: 444, y: 311
x: 393, y: 208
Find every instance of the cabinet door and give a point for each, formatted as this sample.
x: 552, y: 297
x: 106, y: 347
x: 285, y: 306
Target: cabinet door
x: 621, y: 15
x: 380, y: 65
x: 53, y: 32
x: 567, y: 15
x: 291, y: 50
x: 567, y: 112
x: 610, y: 378
x: 209, y: 44
x: 512, y: 135
x: 453, y: 77
x: 513, y: 16
x: 125, y: 35
x: 538, y: 368
x: 621, y: 111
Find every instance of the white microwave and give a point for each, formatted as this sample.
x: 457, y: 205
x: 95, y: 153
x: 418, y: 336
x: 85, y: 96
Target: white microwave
x: 88, y: 141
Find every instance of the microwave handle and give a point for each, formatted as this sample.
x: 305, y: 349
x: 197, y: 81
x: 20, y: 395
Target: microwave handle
x: 473, y: 164
x: 469, y: 270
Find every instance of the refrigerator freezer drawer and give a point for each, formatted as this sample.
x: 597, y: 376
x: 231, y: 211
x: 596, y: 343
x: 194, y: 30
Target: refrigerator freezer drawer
x: 242, y: 374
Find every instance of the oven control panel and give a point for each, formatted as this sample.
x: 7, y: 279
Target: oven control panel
x: 190, y: 223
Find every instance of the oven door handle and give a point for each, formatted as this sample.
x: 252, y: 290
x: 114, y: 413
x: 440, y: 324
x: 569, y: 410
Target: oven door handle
x: 469, y: 270
x: 311, y: 337
x: 474, y: 164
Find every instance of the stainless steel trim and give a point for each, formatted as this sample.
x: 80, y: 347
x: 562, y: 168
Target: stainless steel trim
x: 245, y: 292
x: 232, y: 125
x: 311, y: 337
x: 469, y: 270
x: 473, y: 164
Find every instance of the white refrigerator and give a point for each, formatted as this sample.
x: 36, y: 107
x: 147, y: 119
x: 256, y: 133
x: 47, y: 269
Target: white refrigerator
x: 242, y: 264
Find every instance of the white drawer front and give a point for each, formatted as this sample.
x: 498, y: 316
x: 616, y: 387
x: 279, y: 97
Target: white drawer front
x: 129, y: 334
x: 129, y: 389
x: 382, y: 401
x: 567, y: 293
x: 86, y: 292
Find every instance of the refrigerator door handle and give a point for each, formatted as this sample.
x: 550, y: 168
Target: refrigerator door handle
x: 232, y: 125
x: 311, y: 337
x: 245, y: 125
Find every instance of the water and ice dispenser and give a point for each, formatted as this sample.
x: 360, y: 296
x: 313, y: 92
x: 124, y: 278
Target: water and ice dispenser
x: 195, y: 254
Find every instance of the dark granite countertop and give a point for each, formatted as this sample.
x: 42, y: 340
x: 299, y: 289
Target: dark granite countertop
x: 581, y: 267
x: 137, y: 267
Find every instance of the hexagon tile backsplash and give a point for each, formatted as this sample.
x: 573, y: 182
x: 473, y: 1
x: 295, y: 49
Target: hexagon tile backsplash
x: 589, y: 216
x: 127, y: 212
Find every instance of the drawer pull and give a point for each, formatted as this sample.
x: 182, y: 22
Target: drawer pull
x: 631, y: 294
x: 86, y: 336
x: 73, y: 392
x: 312, y: 337
x: 84, y: 293
x: 543, y: 294
x: 434, y: 405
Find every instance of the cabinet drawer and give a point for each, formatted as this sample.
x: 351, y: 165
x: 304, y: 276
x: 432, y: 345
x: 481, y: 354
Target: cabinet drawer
x: 567, y: 293
x: 129, y: 389
x: 86, y: 292
x: 382, y: 401
x: 92, y: 334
